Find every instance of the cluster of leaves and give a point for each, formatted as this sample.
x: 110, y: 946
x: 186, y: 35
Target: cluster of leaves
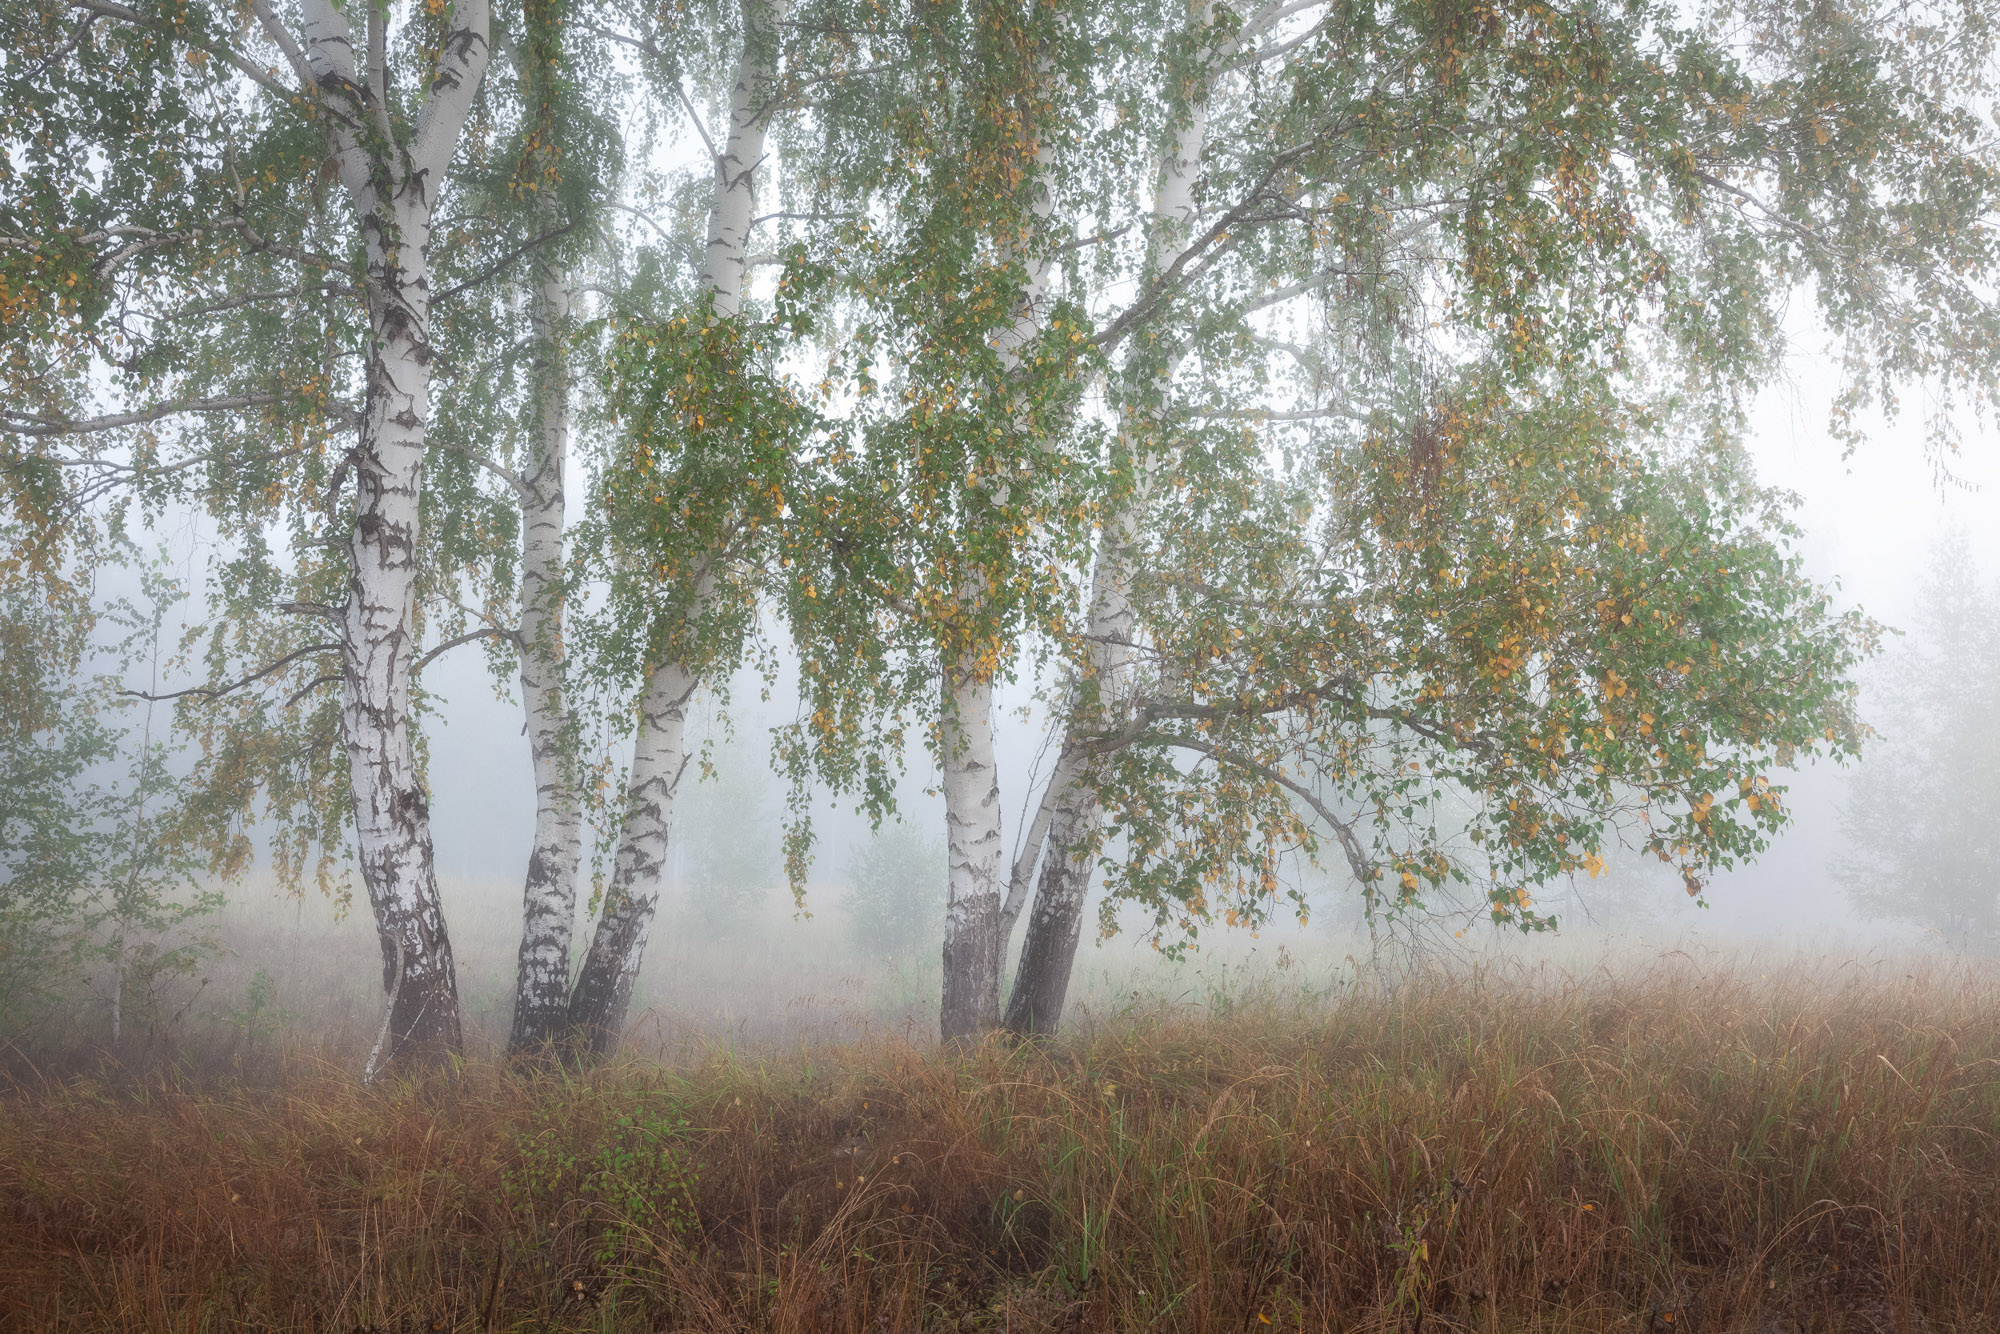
x: 1522, y: 630
x: 96, y: 872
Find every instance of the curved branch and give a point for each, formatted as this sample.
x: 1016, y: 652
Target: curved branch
x: 483, y: 632
x: 1350, y: 844
x: 217, y: 692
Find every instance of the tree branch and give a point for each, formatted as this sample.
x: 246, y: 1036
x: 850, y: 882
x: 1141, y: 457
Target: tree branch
x: 483, y: 632
x: 1357, y: 861
x: 499, y: 265
x: 466, y: 49
x: 124, y: 14
x: 52, y: 426
x: 217, y: 692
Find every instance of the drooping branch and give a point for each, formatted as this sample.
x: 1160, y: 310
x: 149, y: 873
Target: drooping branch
x: 1343, y: 830
x: 256, y: 73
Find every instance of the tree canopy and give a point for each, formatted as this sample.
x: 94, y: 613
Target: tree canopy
x: 1338, y: 405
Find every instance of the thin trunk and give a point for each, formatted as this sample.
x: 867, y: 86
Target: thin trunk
x: 548, y: 899
x: 1048, y: 953
x: 1069, y: 812
x: 974, y: 938
x: 597, y: 1008
x: 971, y: 1001
x: 603, y: 992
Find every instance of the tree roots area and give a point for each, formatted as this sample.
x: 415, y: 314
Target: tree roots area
x: 1681, y: 1151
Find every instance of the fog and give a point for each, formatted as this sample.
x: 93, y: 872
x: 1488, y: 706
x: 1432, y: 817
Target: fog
x: 1868, y: 520
x: 734, y: 955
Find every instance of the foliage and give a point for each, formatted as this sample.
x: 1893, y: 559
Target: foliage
x: 621, y: 1169
x: 95, y: 875
x: 1524, y: 627
x: 1921, y: 814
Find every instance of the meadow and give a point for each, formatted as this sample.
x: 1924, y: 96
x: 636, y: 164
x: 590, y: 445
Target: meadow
x: 1693, y: 1144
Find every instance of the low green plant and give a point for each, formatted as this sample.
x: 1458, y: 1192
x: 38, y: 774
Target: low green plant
x: 626, y: 1170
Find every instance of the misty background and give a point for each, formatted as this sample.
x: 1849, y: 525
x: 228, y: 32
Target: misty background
x: 734, y: 954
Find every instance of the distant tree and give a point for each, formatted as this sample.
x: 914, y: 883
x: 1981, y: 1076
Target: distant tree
x: 896, y: 893
x: 1923, y: 812
x: 729, y: 853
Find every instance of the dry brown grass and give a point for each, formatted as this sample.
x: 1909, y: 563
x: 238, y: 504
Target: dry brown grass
x: 1671, y: 1151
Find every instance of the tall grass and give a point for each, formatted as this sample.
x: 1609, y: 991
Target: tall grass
x: 1674, y: 1149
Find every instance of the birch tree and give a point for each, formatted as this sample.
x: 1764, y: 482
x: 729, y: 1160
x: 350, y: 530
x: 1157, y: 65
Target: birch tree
x: 258, y: 114
x: 1458, y: 207
x: 698, y: 414
x: 1730, y: 345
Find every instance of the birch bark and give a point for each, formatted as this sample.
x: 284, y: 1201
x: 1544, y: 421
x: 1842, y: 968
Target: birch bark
x: 603, y: 994
x: 392, y: 188
x: 598, y: 1006
x: 1068, y: 824
x: 548, y: 898
x: 975, y: 856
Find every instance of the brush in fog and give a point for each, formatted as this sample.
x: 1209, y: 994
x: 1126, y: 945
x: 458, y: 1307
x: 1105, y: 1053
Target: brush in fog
x: 726, y: 859
x: 1922, y: 817
x: 1337, y: 404
x: 100, y: 896
x: 896, y: 893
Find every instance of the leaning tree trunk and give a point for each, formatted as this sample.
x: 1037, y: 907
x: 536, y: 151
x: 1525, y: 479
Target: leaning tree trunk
x: 1069, y: 822
x: 548, y: 898
x: 392, y: 183
x: 597, y: 1007
x: 1055, y: 923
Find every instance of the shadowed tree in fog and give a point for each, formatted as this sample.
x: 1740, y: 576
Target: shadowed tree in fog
x: 896, y: 893
x: 1922, y: 817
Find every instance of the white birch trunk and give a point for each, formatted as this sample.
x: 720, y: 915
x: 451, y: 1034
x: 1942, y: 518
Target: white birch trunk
x: 971, y: 1000
x: 976, y: 857
x: 597, y: 1008
x: 393, y: 189
x: 548, y: 898
x: 604, y: 984
x: 1068, y: 824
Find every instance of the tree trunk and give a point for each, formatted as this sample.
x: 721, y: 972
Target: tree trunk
x: 604, y: 986
x: 1069, y: 811
x: 548, y: 900
x: 971, y: 1000
x: 1048, y: 954
x: 603, y: 992
x: 391, y: 811
x: 392, y: 182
